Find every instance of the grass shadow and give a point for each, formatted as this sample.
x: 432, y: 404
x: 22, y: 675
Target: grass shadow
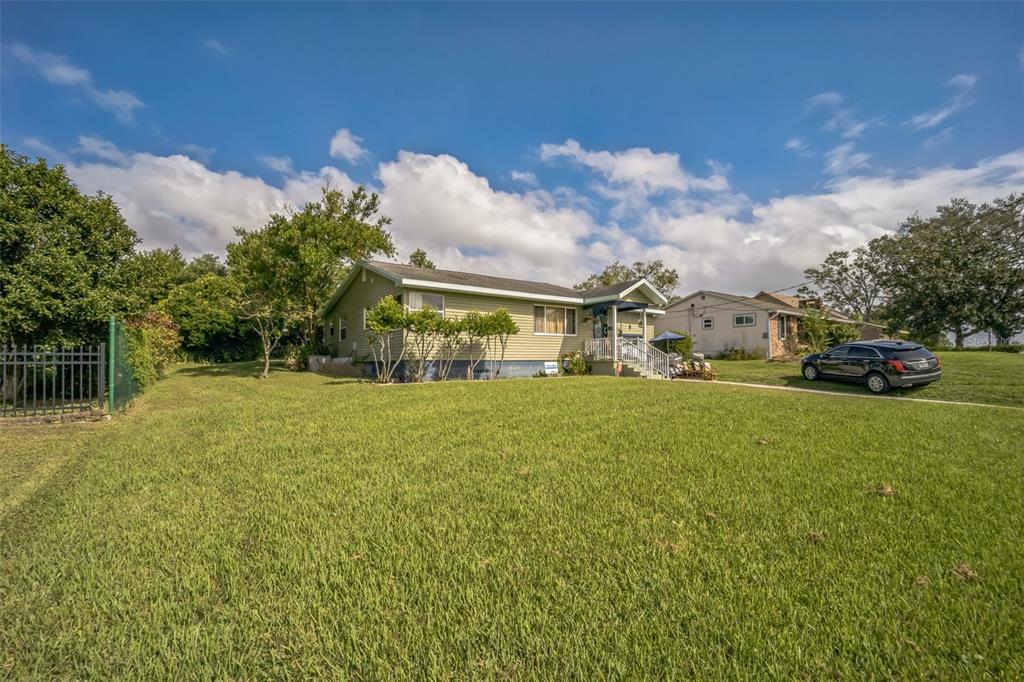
x: 827, y: 386
x: 229, y: 369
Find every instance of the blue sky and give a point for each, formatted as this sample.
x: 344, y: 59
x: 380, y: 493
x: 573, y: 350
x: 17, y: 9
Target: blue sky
x: 738, y: 142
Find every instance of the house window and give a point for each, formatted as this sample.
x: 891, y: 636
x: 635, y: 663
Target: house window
x: 342, y: 329
x: 329, y: 332
x: 744, y: 320
x: 783, y: 327
x: 365, y: 312
x: 418, y: 300
x: 549, y: 319
x: 707, y: 323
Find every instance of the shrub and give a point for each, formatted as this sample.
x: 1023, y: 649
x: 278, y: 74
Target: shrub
x: 574, y: 364
x: 153, y: 342
x: 740, y: 354
x: 683, y: 346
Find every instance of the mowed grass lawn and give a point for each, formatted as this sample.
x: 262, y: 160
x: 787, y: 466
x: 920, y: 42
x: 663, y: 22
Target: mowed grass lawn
x: 967, y: 376
x: 598, y: 527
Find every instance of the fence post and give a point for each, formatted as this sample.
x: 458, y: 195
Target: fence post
x: 101, y: 376
x: 110, y: 363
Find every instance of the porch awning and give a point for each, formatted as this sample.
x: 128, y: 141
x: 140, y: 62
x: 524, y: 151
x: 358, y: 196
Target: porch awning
x: 602, y: 308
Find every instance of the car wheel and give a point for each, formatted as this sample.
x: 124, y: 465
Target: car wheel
x: 877, y: 383
x: 811, y: 372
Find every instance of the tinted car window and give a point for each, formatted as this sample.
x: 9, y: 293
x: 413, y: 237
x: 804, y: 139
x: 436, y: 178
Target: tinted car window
x: 863, y: 352
x: 841, y: 352
x: 914, y: 354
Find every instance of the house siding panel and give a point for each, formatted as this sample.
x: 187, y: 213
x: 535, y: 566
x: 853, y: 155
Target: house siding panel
x: 724, y: 335
x: 360, y: 294
x: 525, y: 345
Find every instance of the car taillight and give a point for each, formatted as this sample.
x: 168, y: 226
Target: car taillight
x: 896, y: 365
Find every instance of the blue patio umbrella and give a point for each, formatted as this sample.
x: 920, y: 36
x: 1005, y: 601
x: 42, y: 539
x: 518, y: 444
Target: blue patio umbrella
x: 666, y: 337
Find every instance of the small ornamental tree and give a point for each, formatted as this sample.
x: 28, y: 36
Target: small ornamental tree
x: 423, y: 332
x: 477, y: 328
x: 502, y: 326
x: 450, y: 341
x: 383, y: 321
x: 820, y: 333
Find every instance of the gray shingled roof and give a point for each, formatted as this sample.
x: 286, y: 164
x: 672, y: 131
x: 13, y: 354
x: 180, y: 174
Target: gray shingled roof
x: 475, y: 280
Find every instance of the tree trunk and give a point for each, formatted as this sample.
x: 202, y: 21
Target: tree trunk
x: 958, y: 338
x: 266, y: 363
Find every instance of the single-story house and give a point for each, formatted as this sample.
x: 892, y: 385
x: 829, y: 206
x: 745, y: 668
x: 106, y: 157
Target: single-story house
x: 553, y: 320
x: 765, y: 324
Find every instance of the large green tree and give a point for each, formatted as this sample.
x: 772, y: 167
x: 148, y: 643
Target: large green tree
x: 308, y: 253
x: 663, y: 278
x: 960, y: 271
x: 848, y: 282
x: 61, y: 254
x: 419, y: 259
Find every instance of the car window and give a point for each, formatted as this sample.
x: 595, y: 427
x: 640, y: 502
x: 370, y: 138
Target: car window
x: 914, y: 354
x: 840, y: 352
x: 864, y: 352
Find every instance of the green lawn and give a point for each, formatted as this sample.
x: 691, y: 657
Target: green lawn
x: 585, y: 528
x: 967, y: 376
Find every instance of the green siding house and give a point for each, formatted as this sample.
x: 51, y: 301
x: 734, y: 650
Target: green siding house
x: 553, y: 320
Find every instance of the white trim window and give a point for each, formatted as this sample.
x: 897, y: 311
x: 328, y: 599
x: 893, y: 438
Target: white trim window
x: 707, y: 323
x: 783, y: 327
x: 419, y: 299
x: 366, y: 311
x: 342, y: 328
x: 550, y: 320
x: 744, y: 320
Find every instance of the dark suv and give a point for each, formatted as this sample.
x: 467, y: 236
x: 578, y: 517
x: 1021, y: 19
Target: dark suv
x: 880, y: 365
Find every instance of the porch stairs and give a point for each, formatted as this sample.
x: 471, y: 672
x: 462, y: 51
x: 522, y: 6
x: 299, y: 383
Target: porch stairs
x: 638, y: 357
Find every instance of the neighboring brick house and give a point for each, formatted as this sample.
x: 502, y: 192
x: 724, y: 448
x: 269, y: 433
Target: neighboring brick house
x: 767, y: 323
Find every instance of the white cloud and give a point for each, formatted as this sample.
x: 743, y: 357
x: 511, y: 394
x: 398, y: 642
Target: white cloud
x: 216, y: 46
x: 524, y: 177
x: 91, y: 145
x: 345, y: 145
x: 844, y: 158
x: 172, y: 200
x: 771, y: 248
x: 638, y: 168
x: 795, y: 144
x: 280, y: 164
x: 824, y: 99
x: 962, y: 85
x: 439, y: 204
x: 58, y: 70
x: 717, y: 241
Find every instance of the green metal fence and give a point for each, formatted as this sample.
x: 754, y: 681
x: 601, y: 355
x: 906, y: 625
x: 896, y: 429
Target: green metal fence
x: 121, y: 384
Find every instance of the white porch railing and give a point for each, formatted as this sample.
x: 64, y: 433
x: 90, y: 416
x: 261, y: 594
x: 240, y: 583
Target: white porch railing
x: 636, y: 353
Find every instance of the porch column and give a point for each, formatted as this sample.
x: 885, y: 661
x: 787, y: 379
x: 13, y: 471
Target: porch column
x: 615, y: 333
x: 643, y: 313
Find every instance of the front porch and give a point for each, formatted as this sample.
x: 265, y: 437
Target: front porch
x: 619, y: 347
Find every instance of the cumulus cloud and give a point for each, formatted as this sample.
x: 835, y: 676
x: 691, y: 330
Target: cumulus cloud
x: 719, y: 240
x: 58, y: 70
x: 638, y: 168
x: 795, y: 144
x: 197, y: 152
x: 962, y: 85
x: 172, y: 200
x: 439, y: 204
x: 43, y: 148
x: 345, y: 145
